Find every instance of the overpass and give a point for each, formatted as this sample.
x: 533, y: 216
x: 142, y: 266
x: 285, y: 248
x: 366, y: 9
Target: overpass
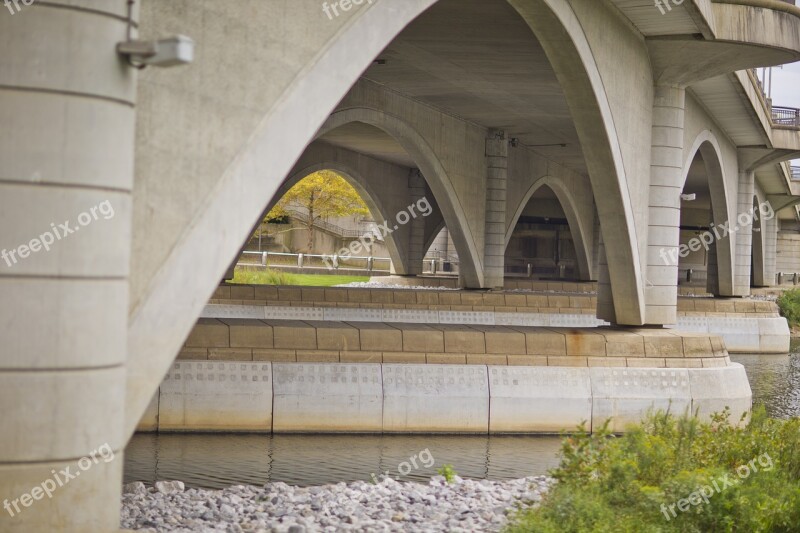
x: 634, y: 122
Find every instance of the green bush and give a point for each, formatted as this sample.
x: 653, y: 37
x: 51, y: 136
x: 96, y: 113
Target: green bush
x: 789, y: 304
x: 628, y: 483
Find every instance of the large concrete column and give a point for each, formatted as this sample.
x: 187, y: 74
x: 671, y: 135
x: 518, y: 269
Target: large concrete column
x: 744, y: 237
x: 495, y: 234
x: 771, y: 255
x: 66, y: 173
x: 605, y: 296
x: 416, y: 235
x: 666, y: 182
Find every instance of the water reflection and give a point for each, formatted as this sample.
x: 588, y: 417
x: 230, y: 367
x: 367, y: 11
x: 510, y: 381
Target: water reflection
x: 216, y: 461
x: 775, y: 380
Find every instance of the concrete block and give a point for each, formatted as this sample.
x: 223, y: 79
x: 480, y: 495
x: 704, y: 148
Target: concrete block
x: 500, y: 340
x: 274, y: 355
x: 149, y: 421
x: 249, y: 333
x: 213, y: 396
x: 327, y: 397
x: 440, y: 398
x: 379, y: 337
x: 421, y: 338
x: 713, y: 389
x: 230, y: 354
x: 208, y: 333
x: 293, y: 335
x: 462, y: 339
x: 446, y: 358
x: 538, y: 399
x: 541, y: 341
x: 336, y: 336
x: 404, y: 358
x: 625, y: 394
x: 582, y: 342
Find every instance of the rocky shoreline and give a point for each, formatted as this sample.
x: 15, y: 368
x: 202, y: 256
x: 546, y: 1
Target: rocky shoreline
x: 389, y: 505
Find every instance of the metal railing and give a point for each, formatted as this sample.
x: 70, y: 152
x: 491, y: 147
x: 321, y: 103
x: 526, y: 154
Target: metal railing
x: 795, y: 173
x: 336, y: 262
x: 333, y: 228
x: 786, y: 116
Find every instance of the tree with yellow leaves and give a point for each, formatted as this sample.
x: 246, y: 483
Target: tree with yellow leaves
x: 322, y: 194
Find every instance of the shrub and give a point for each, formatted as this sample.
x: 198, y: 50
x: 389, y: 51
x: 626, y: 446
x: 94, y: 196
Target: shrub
x: 789, y: 304
x: 628, y: 483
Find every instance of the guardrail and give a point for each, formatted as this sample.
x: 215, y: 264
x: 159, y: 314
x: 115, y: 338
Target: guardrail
x: 786, y: 116
x: 335, y: 262
x: 333, y: 228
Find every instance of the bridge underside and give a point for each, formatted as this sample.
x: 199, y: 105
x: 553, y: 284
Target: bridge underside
x: 493, y: 108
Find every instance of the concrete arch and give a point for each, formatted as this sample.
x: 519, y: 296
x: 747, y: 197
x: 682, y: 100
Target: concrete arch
x: 157, y: 327
x: 567, y: 47
x: 707, y: 145
x: 397, y: 252
x: 577, y: 226
x: 470, y: 264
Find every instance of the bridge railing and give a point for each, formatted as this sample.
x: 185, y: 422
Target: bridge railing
x: 786, y: 116
x: 333, y: 262
x: 795, y: 173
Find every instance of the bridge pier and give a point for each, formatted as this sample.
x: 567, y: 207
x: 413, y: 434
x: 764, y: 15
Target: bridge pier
x: 66, y: 175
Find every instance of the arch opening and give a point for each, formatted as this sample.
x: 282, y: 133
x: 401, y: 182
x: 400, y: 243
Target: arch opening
x: 705, y: 253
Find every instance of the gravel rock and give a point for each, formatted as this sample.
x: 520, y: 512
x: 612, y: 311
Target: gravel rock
x: 389, y: 505
x: 169, y: 487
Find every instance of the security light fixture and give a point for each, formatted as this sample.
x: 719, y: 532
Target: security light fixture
x: 169, y: 52
x: 688, y: 197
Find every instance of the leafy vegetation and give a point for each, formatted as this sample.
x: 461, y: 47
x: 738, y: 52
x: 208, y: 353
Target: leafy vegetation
x: 322, y: 195
x: 663, y: 476
x: 448, y: 472
x: 789, y: 304
x: 276, y: 277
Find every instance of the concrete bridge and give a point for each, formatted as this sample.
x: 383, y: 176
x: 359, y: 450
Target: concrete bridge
x: 125, y: 194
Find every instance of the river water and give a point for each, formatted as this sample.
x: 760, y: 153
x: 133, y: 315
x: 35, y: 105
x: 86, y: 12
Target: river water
x: 220, y: 460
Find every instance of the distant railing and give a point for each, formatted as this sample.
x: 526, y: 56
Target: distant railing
x: 795, y: 173
x: 786, y: 116
x: 336, y: 262
x: 332, y: 228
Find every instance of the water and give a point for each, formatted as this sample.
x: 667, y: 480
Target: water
x: 217, y: 461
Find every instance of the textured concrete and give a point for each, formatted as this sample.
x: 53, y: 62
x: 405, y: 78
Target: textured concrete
x: 213, y: 396
x: 624, y: 395
x: 412, y: 398
x: 438, y: 398
x: 327, y: 398
x: 538, y: 400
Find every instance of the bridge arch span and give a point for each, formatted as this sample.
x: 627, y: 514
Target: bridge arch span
x: 578, y: 226
x: 432, y: 169
x: 707, y: 146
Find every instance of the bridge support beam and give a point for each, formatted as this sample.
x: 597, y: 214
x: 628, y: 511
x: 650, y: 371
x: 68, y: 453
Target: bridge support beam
x: 495, y: 233
x: 666, y: 182
x: 66, y: 176
x: 744, y: 237
x: 416, y: 235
